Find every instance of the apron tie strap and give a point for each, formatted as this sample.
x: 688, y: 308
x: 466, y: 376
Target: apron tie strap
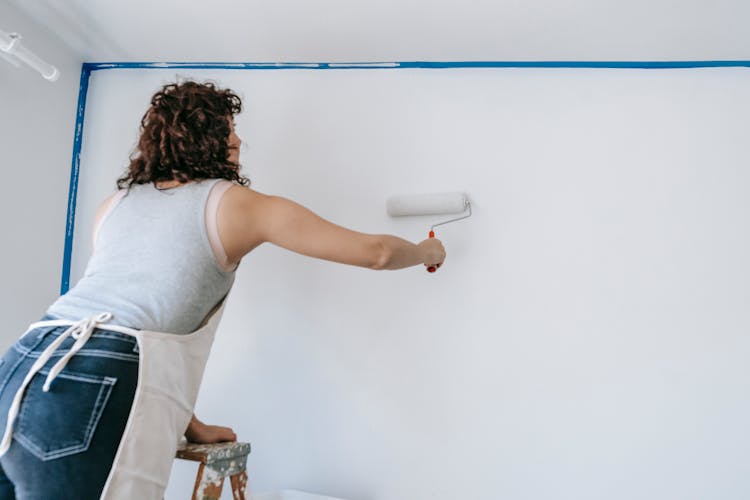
x: 81, y: 331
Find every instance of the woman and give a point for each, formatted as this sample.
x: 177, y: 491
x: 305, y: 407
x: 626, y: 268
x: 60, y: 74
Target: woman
x: 95, y: 396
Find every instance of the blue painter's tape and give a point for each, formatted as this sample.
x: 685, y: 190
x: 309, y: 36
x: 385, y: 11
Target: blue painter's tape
x: 576, y: 64
x: 426, y: 65
x: 89, y: 67
x: 199, y: 65
x: 74, y: 172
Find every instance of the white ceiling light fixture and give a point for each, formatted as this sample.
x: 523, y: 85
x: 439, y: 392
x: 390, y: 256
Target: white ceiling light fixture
x: 13, y: 51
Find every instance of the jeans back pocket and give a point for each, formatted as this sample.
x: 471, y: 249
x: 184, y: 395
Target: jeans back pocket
x: 61, y: 422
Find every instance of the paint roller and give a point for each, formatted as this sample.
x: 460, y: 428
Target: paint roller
x: 429, y: 204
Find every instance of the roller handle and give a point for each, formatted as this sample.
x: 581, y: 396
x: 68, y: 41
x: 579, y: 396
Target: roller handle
x: 432, y: 269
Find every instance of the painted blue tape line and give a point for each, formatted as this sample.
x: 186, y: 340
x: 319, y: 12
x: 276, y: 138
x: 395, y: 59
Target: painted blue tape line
x: 425, y: 64
x: 74, y: 173
x: 219, y: 65
x: 577, y: 64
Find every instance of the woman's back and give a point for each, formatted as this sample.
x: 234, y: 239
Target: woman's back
x: 120, y: 399
x: 153, y: 266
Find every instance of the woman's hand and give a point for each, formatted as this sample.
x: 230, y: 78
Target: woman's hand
x: 432, y: 252
x: 198, y: 432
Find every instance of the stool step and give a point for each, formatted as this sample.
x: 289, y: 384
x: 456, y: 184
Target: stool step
x: 210, y: 453
x: 217, y: 461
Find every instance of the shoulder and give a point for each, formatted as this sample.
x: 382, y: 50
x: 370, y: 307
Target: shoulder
x: 109, y: 201
x: 241, y: 217
x: 237, y: 197
x: 241, y: 205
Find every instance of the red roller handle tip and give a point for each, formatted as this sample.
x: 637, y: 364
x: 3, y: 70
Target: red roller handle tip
x: 432, y: 269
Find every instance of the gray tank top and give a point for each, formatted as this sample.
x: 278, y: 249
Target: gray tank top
x: 153, y: 267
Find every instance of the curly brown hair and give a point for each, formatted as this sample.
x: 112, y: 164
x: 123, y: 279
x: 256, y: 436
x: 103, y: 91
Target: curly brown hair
x: 184, y: 136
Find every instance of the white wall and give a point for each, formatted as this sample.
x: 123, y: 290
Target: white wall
x: 587, y: 337
x: 36, y: 136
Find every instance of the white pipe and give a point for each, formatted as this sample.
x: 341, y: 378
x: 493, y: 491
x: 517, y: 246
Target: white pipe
x: 12, y: 60
x: 10, y: 43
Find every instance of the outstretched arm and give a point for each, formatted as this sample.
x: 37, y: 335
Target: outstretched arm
x: 247, y: 218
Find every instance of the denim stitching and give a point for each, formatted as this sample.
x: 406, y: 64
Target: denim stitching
x: 99, y: 333
x: 70, y: 449
x: 113, y: 336
x: 47, y: 455
x: 82, y: 377
x: 105, y: 384
x: 96, y: 353
x: 23, y: 350
x: 96, y: 415
x: 44, y: 330
x: 15, y: 366
x: 92, y: 353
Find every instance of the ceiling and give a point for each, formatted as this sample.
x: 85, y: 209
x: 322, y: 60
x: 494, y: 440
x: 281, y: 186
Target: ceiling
x: 395, y: 30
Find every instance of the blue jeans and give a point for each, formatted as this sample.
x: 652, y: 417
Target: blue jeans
x: 65, y: 440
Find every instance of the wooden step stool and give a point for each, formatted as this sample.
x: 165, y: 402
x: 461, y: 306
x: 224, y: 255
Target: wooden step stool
x: 217, y: 461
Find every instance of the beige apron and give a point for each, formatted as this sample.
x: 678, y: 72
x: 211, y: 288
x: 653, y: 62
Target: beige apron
x: 169, y: 376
